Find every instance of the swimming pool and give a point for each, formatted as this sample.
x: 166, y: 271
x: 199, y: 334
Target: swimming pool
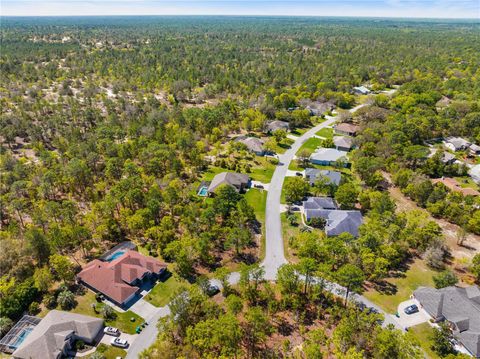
x: 115, y: 256
x: 21, y: 337
x: 203, y: 191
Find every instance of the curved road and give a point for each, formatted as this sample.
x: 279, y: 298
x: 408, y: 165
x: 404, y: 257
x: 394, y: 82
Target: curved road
x: 274, y: 251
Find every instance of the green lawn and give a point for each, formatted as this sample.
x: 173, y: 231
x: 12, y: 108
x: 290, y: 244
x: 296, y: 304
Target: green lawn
x: 326, y: 132
x: 299, y: 131
x: 311, y: 144
x: 257, y: 199
x: 417, y: 275
x: 212, y: 172
x: 84, y: 306
x: 467, y: 182
x: 283, y: 146
x: 162, y: 293
x: 289, y: 231
x: 110, y: 352
x: 423, y: 333
x: 263, y: 172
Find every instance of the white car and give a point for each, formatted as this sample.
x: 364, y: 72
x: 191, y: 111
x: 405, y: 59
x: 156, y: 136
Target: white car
x: 112, y: 331
x: 117, y: 342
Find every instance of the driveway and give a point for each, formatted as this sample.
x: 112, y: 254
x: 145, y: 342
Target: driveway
x: 143, y: 308
x: 258, y: 183
x: 409, y: 320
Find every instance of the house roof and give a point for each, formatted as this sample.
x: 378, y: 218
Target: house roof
x: 448, y: 157
x: 457, y: 142
x: 319, y: 203
x: 233, y: 179
x: 253, y: 144
x: 474, y: 148
x: 460, y: 306
x: 327, y: 154
x: 313, y: 174
x: 277, y: 125
x: 47, y: 339
x: 113, y: 278
x: 361, y: 89
x: 453, y: 185
x: 338, y: 221
x: 475, y: 173
x: 343, y: 141
x: 347, y: 127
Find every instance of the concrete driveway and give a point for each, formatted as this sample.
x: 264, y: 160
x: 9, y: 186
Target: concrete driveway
x: 143, y: 309
x: 256, y: 183
x: 409, y: 320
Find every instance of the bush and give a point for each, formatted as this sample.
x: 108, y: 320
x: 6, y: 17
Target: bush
x: 108, y: 313
x: 98, y: 297
x: 34, y: 308
x: 318, y: 222
x: 66, y: 299
x: 79, y: 344
x: 50, y: 301
x: 445, y: 279
x: 5, y: 325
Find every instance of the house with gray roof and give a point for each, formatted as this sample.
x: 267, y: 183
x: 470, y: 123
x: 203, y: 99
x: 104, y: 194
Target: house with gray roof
x: 327, y: 156
x: 343, y: 143
x: 456, y: 143
x: 361, y: 90
x: 337, y: 221
x: 312, y: 175
x: 253, y: 144
x: 238, y: 181
x: 276, y: 125
x: 474, y: 149
x: 56, y: 334
x: 460, y: 307
x: 475, y: 174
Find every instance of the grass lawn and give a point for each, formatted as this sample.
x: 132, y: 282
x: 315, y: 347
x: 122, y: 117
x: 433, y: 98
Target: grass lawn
x: 263, y: 172
x: 212, y: 172
x: 110, y: 352
x: 84, y: 306
x: 258, y: 199
x: 283, y: 146
x: 326, y: 132
x: 311, y: 144
x: 289, y: 231
x: 417, y: 275
x: 299, y: 131
x: 162, y: 293
x: 467, y: 182
x: 423, y: 333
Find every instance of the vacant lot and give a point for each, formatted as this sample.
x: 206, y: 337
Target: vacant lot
x: 162, y: 293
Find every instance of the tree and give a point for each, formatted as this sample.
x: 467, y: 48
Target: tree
x: 225, y: 200
x: 43, y: 279
x: 346, y: 195
x: 445, y: 279
x: 222, y: 274
x: 234, y: 304
x: 5, y: 325
x: 108, y: 313
x: 63, y: 267
x: 256, y: 329
x: 442, y: 340
x: 303, y: 158
x: 318, y: 222
x: 288, y: 280
x: 295, y: 189
x: 66, y: 299
x: 351, y: 277
x: 238, y: 238
x: 38, y: 244
x: 475, y: 267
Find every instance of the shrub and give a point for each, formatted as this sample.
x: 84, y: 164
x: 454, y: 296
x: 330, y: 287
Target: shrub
x: 34, y: 308
x: 79, y: 344
x: 66, y: 299
x: 108, y: 313
x: 5, y: 325
x: 50, y: 301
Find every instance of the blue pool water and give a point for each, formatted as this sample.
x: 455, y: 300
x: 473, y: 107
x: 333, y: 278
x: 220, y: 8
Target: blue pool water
x: 21, y: 337
x: 203, y: 191
x: 115, y: 256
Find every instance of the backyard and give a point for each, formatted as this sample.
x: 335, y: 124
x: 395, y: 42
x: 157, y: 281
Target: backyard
x: 109, y: 352
x: 416, y: 276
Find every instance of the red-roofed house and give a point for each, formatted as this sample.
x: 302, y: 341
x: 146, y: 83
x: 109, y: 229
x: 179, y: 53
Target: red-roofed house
x: 120, y: 278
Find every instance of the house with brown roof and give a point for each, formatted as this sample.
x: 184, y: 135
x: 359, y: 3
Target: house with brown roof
x: 348, y: 129
x: 453, y: 185
x: 120, y: 276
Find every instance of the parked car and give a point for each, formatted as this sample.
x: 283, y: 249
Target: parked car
x: 411, y: 309
x: 121, y: 343
x: 299, y: 174
x: 112, y: 331
x: 212, y: 290
x: 258, y: 186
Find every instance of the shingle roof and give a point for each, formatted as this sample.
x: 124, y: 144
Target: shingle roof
x: 347, y: 127
x: 475, y: 173
x: 474, y: 148
x: 277, y: 125
x: 254, y: 144
x: 448, y: 157
x: 362, y: 89
x: 460, y: 306
x: 338, y: 221
x: 47, y: 339
x: 327, y: 154
x: 319, y: 203
x: 233, y: 179
x: 313, y: 174
x: 343, y: 141
x: 113, y: 278
x: 457, y: 142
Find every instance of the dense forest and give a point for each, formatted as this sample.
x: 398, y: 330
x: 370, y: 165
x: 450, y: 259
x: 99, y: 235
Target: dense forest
x: 107, y: 126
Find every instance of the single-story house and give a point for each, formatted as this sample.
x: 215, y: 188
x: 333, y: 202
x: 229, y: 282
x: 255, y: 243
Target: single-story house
x: 318, y: 109
x: 314, y: 174
x: 453, y: 185
x: 348, y: 129
x: 253, y: 144
x: 56, y: 334
x: 338, y: 221
x: 327, y: 156
x: 448, y: 158
x: 460, y: 307
x: 239, y: 181
x: 474, y: 149
x: 475, y: 173
x: 120, y: 277
x: 343, y: 143
x: 361, y: 90
x: 273, y: 126
x: 456, y: 143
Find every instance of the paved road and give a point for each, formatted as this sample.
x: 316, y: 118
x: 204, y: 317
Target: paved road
x: 274, y: 251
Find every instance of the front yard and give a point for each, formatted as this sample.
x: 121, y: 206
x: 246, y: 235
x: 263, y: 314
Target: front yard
x: 109, y: 352
x: 163, y: 292
x: 326, y: 132
x: 417, y: 275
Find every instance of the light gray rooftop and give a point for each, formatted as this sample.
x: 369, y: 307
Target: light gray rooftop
x: 253, y: 144
x: 272, y: 126
x: 313, y: 174
x: 338, y: 221
x: 319, y: 203
x: 343, y: 141
x: 327, y: 154
x: 228, y: 178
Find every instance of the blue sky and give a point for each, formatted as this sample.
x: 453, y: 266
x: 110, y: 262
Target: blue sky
x: 374, y: 8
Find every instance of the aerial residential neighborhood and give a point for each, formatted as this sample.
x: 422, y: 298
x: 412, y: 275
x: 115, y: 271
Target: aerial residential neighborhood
x: 239, y: 186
